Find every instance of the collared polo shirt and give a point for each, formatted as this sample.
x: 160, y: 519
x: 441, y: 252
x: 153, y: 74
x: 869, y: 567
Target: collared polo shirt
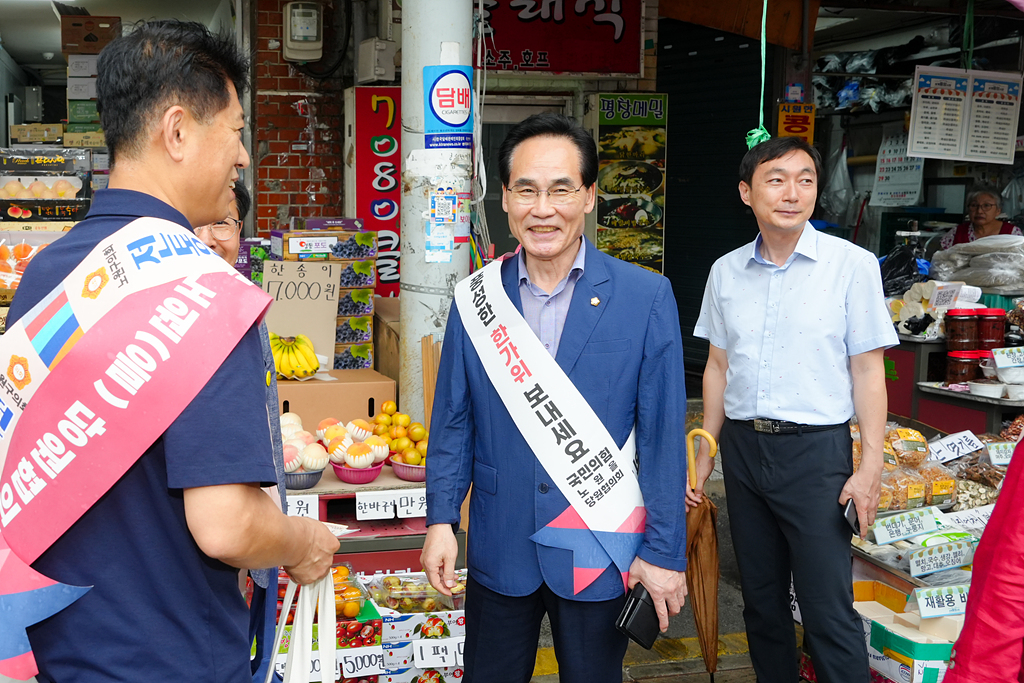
x: 789, y: 331
x: 545, y: 313
x: 159, y: 609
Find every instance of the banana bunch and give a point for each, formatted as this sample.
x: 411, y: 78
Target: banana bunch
x: 293, y: 356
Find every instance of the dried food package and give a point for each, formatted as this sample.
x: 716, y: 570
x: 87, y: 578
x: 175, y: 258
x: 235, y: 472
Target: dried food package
x: 940, y: 486
x: 971, y: 494
x: 885, y: 497
x: 910, y: 446
x: 888, y: 456
x: 907, y: 489
x: 1013, y: 430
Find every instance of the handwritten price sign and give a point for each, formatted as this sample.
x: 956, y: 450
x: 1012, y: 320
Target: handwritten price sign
x: 904, y: 525
x: 386, y: 504
x: 955, y: 446
x: 351, y: 663
x: 307, y: 505
x: 438, y: 653
x: 946, y: 601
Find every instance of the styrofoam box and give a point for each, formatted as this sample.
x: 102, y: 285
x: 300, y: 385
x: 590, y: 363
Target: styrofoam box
x: 82, y: 66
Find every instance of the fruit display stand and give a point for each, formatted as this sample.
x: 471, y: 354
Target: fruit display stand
x: 381, y: 544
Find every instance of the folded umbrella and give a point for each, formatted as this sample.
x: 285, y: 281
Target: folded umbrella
x: 702, y: 561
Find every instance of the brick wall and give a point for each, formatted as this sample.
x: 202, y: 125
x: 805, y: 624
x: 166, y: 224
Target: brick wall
x: 297, y: 129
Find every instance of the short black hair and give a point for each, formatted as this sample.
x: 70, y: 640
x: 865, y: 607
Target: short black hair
x: 156, y: 66
x: 776, y: 148
x: 555, y: 125
x: 242, y: 200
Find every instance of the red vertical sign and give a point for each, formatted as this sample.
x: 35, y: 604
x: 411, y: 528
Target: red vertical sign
x: 378, y: 137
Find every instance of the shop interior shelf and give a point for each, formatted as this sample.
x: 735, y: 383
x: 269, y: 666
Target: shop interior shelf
x: 937, y: 388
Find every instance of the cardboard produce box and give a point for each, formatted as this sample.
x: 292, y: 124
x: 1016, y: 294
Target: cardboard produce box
x: 82, y: 88
x: 46, y: 133
x: 87, y: 35
x: 90, y: 140
x: 386, y: 336
x: 83, y: 111
x: 356, y: 393
x: 82, y: 66
x: 322, y: 245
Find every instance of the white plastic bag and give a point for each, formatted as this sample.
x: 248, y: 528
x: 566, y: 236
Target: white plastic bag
x: 300, y: 648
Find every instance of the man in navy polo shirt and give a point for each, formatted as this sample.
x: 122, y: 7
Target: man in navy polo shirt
x: 163, y: 547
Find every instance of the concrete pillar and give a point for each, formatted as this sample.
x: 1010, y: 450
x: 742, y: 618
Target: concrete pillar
x: 434, y: 32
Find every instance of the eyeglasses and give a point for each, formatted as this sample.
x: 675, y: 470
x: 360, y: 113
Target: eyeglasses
x: 987, y: 206
x: 222, y: 230
x: 558, y: 194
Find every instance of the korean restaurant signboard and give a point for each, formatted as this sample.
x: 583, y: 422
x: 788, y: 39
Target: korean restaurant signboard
x: 631, y: 141
x: 601, y: 37
x: 378, y: 171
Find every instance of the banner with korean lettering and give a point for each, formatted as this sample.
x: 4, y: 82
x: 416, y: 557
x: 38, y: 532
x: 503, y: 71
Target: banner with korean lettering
x: 632, y: 135
x: 796, y: 120
x: 600, y: 37
x: 102, y: 366
x: 606, y: 517
x: 378, y: 161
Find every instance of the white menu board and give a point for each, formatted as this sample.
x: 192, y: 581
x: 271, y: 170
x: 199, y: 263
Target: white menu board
x: 964, y: 115
x: 898, y: 176
x: 995, y: 106
x: 938, y: 113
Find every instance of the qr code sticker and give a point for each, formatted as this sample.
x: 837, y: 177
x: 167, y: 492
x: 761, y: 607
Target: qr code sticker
x: 444, y: 208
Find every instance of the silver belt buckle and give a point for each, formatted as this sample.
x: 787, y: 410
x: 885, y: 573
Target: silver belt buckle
x: 765, y: 426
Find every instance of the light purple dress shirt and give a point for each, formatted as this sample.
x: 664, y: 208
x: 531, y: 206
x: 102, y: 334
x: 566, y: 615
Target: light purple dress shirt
x: 545, y: 313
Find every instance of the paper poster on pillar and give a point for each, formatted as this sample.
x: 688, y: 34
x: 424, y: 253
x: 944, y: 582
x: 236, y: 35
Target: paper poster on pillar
x: 448, y: 106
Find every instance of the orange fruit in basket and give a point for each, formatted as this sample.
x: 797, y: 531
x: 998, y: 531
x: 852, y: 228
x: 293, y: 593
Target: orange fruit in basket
x: 5, y: 267
x: 350, y: 593
x: 21, y: 251
x: 21, y: 265
x: 351, y: 609
x: 5, y: 252
x: 339, y: 572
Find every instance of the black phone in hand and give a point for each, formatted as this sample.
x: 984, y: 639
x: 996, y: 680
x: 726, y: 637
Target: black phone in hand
x: 850, y: 512
x: 639, y: 618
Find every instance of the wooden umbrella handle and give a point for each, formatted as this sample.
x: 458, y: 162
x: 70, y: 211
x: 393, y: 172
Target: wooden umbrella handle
x: 691, y: 453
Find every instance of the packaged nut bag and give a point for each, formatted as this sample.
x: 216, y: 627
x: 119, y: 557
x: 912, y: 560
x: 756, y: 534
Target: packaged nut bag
x: 885, y: 497
x: 888, y: 456
x: 910, y: 446
x: 907, y: 488
x: 940, y: 486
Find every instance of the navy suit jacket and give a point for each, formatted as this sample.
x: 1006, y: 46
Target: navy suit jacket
x: 625, y: 356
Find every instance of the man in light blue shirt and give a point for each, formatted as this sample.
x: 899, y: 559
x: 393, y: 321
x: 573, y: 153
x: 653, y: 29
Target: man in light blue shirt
x: 797, y: 329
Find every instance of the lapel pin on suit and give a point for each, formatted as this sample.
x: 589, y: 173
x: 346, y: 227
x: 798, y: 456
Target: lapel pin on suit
x: 595, y: 301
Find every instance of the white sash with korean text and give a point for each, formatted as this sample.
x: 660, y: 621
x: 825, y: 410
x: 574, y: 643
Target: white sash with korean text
x: 568, y: 438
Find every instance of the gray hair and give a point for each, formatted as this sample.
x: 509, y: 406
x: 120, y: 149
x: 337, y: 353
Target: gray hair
x: 988, y: 190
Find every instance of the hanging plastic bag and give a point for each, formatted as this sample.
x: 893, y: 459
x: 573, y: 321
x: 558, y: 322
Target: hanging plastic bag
x: 300, y: 646
x: 838, y: 192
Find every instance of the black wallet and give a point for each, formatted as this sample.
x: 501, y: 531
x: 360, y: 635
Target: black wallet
x: 639, y: 619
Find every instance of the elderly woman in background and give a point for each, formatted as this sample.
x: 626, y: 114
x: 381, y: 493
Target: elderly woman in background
x: 983, y: 206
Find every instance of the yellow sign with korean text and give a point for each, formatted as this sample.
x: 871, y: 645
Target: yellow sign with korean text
x: 796, y: 121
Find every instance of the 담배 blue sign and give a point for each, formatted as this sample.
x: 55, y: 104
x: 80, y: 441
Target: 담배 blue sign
x: 448, y: 106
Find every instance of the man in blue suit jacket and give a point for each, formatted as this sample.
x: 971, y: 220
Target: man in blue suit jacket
x: 613, y: 328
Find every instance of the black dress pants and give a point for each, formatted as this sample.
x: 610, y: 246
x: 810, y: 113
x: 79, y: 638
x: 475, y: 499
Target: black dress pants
x: 783, y: 492
x: 502, y: 632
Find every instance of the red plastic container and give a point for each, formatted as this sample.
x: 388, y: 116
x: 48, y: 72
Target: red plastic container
x: 351, y: 475
x: 991, y: 328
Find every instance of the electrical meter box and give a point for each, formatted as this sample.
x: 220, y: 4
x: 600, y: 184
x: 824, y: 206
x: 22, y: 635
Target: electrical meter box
x: 303, y: 32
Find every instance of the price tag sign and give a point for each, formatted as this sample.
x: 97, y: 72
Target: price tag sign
x: 903, y: 525
x: 305, y: 300
x: 954, y: 446
x: 1000, y: 452
x: 972, y: 519
x: 945, y: 556
x: 306, y: 505
x: 411, y: 503
x: 1009, y: 357
x: 946, y: 601
x: 375, y: 505
x: 438, y: 653
x: 352, y: 663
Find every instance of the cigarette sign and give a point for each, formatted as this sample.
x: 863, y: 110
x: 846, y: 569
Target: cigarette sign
x: 448, y: 106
